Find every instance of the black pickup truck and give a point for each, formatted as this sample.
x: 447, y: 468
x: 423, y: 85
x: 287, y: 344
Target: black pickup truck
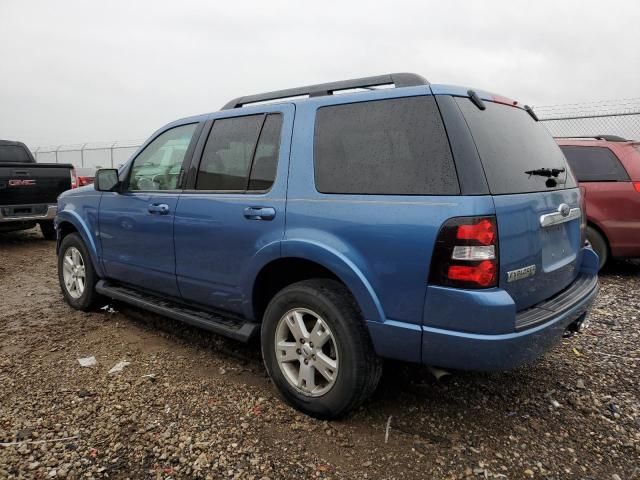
x: 29, y: 190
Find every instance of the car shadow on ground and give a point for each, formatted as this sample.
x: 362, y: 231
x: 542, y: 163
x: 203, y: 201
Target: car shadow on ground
x: 414, y: 384
x: 22, y: 237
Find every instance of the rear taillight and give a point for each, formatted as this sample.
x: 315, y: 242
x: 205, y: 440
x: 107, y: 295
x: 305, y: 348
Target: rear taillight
x: 74, y: 178
x: 636, y: 185
x: 466, y: 253
x: 583, y: 219
x: 84, y: 181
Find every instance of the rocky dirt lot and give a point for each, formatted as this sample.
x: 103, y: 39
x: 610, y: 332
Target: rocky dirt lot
x: 192, y: 405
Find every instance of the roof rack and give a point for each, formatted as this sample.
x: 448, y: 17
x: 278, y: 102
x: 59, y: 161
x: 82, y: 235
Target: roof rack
x: 322, y: 89
x: 608, y: 138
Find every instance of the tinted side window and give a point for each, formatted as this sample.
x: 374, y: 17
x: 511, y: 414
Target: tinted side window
x: 241, y: 153
x: 227, y: 154
x: 265, y: 162
x: 595, y: 164
x: 396, y: 147
x: 159, y: 166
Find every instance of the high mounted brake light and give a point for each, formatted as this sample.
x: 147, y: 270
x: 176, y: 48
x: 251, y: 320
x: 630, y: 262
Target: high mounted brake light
x: 466, y: 253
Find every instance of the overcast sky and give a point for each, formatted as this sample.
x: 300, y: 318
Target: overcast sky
x: 83, y: 71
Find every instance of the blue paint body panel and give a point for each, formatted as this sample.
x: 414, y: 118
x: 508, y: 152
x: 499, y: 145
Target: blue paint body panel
x: 207, y: 253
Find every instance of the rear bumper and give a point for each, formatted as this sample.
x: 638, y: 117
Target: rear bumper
x: 443, y: 341
x: 471, y: 351
x: 47, y: 214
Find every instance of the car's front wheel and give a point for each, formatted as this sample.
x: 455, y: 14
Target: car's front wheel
x: 76, y: 274
x: 317, y: 350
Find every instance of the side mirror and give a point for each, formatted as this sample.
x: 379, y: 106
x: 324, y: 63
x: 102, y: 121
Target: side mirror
x: 107, y: 180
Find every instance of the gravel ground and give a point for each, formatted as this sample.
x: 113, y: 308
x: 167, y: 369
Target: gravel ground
x: 193, y: 405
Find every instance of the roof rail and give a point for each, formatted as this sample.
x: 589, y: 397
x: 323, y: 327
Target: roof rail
x: 608, y: 138
x: 322, y: 89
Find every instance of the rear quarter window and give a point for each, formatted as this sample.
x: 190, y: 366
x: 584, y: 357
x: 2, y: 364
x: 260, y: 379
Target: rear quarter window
x: 595, y: 164
x: 510, y: 143
x: 387, y: 147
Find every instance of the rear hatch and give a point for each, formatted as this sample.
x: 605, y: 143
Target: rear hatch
x: 536, y: 201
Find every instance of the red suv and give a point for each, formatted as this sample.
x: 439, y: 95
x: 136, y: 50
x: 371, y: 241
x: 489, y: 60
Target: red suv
x: 609, y: 169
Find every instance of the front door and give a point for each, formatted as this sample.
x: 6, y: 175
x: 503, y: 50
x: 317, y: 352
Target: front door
x: 233, y: 210
x: 136, y: 226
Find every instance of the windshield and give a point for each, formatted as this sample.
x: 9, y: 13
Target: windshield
x: 517, y: 152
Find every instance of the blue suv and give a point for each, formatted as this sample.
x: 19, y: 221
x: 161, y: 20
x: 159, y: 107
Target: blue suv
x: 343, y: 223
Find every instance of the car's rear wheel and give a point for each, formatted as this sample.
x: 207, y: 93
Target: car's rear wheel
x: 599, y: 245
x: 48, y: 230
x: 317, y: 350
x: 76, y: 274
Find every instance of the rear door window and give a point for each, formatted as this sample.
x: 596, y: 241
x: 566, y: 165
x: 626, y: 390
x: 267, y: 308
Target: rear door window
x: 241, y: 154
x: 595, y: 164
x: 393, y: 147
x: 511, y: 143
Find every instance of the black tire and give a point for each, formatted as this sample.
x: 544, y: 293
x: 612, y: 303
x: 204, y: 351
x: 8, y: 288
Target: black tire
x: 599, y: 245
x: 359, y: 367
x: 89, y: 297
x: 47, y: 229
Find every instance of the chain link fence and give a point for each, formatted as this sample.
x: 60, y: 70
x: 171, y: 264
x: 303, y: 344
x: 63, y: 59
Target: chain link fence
x: 613, y: 117
x: 89, y: 156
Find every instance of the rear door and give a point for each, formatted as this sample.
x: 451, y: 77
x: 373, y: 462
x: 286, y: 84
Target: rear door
x: 234, y: 205
x: 136, y: 226
x: 536, y: 199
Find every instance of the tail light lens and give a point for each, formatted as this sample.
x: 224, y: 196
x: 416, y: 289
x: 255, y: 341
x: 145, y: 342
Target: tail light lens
x: 583, y: 219
x: 74, y: 178
x: 466, y: 253
x: 83, y: 181
x: 636, y: 185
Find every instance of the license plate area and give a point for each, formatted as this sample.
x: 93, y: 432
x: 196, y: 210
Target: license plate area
x: 24, y: 210
x: 557, y: 250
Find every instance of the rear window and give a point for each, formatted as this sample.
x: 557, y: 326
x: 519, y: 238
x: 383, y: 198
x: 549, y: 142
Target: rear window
x: 14, y: 153
x: 387, y: 147
x: 594, y: 164
x: 511, y: 143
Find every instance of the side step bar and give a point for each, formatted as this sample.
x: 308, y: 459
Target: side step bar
x: 228, y: 326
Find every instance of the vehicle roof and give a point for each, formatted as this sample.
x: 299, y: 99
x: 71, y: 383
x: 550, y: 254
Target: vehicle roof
x: 372, y: 94
x: 12, y: 143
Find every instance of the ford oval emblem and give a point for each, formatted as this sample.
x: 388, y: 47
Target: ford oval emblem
x: 564, y: 209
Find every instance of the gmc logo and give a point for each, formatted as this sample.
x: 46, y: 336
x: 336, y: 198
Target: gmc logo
x: 22, y: 183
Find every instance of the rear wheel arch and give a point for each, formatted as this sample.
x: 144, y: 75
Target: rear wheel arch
x: 283, y: 271
x: 279, y: 274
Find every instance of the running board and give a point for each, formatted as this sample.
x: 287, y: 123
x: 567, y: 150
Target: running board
x: 228, y: 326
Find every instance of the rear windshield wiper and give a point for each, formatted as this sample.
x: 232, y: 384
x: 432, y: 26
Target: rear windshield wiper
x: 546, y: 172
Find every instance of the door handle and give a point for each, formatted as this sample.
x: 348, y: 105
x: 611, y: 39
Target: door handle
x: 159, y: 208
x: 260, y: 213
